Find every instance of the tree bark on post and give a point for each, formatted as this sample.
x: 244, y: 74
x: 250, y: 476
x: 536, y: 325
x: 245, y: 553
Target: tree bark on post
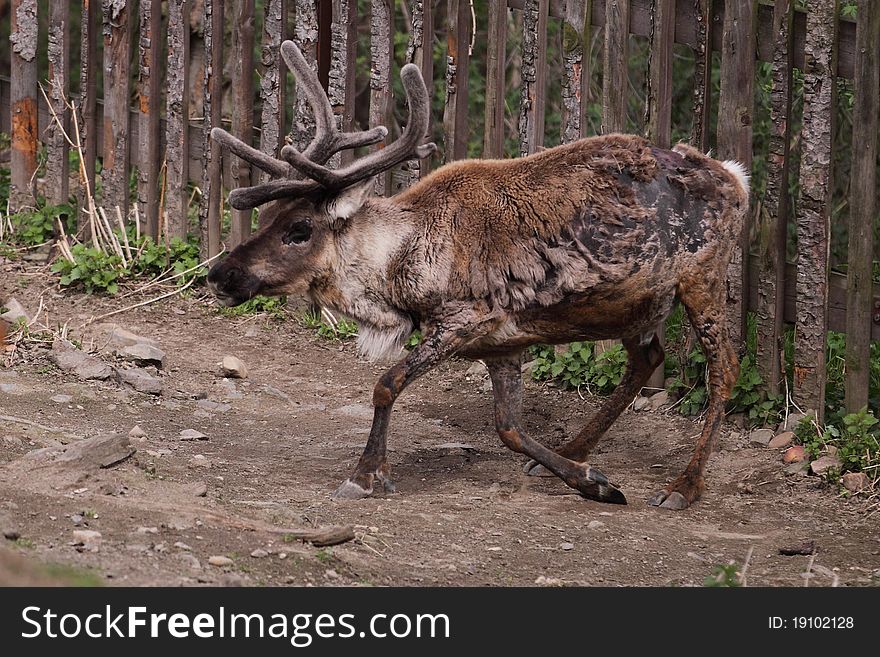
x: 177, y: 125
x: 455, y: 116
x: 88, y: 133
x: 813, y: 221
x: 615, y: 60
x: 23, y: 37
x: 702, y: 74
x: 210, y: 209
x: 242, y: 107
x: 381, y: 47
x: 57, y: 162
x: 773, y: 218
x: 341, y: 77
x: 496, y: 58
x: 115, y: 167
x: 306, y: 36
x: 271, y: 82
x: 149, y: 77
x: 576, y: 68
x: 420, y: 52
x: 863, y: 207
x: 534, y: 76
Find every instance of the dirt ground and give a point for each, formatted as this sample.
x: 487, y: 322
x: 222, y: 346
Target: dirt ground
x: 279, y: 442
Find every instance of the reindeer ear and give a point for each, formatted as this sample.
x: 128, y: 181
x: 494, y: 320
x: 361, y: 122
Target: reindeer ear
x: 347, y: 202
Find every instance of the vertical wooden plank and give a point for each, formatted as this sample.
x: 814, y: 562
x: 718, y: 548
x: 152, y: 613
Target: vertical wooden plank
x: 88, y: 132
x: 381, y: 46
x: 774, y: 210
x: 496, y: 56
x: 534, y: 76
x: 23, y: 102
x: 271, y: 87
x: 813, y: 220
x: 615, y: 83
x: 196, y: 50
x: 735, y: 114
x: 342, y: 75
x: 576, y: 32
x: 210, y: 211
x: 115, y: 167
x: 306, y: 37
x: 420, y: 52
x: 455, y: 118
x: 177, y: 121
x: 242, y: 107
x: 702, y: 14
x: 658, y: 108
x: 863, y: 206
x: 149, y: 79
x: 325, y: 26
x: 57, y: 163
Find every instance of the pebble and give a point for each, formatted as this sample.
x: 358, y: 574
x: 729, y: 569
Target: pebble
x: 120, y: 337
x: 566, y: 546
x: 760, y: 437
x: 259, y: 553
x: 823, y: 464
x: 548, y: 581
x: 14, y: 311
x: 641, y: 403
x: 147, y: 530
x: 856, y: 482
x: 180, y: 545
x: 199, y: 489
x: 794, y: 454
x: 137, y: 432
x: 595, y: 524
x: 220, y: 561
x: 192, y: 434
x: 11, y: 535
x: 659, y: 400
x: 782, y: 440
x: 233, y: 367
x: 140, y: 380
x: 62, y: 399
x: 86, y: 537
x: 331, y: 574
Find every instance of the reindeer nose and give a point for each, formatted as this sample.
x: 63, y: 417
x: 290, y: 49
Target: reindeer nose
x: 225, y: 277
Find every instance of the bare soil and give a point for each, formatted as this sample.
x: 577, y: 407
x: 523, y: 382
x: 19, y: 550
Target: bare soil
x: 280, y: 441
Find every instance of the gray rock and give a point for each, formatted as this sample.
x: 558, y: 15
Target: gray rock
x: 794, y: 419
x: 782, y: 440
x: 212, y: 406
x: 13, y: 389
x: 233, y: 368
x: 220, y: 561
x: 192, y: 434
x: 101, y: 451
x: 659, y: 400
x: 14, y: 311
x: 62, y: 399
x: 856, y: 482
x: 477, y: 370
x: 141, y: 381
x: 199, y: 489
x: 88, y: 538
x: 566, y: 546
x: 595, y: 524
x: 81, y: 364
x: 137, y: 432
x: 142, y: 354
x: 259, y: 553
x: 823, y: 464
x: 797, y: 468
x: 760, y: 437
x: 641, y: 403
x: 120, y: 337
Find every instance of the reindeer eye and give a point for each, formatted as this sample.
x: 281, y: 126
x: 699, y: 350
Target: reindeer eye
x: 300, y: 232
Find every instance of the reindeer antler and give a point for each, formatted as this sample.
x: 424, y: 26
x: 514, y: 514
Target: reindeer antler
x: 328, y: 141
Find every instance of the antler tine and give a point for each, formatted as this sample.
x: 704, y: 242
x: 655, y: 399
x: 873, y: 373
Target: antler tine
x: 245, y: 198
x: 406, y: 147
x: 267, y: 163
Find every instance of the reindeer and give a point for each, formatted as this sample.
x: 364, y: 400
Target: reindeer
x: 591, y: 240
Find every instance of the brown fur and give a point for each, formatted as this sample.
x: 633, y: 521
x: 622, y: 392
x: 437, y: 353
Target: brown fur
x: 591, y: 240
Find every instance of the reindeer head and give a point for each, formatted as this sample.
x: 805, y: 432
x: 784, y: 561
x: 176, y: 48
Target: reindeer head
x: 309, y: 202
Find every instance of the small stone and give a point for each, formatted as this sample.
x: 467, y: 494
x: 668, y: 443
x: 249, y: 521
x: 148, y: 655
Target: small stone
x: 14, y: 311
x: 856, y: 482
x: 830, y: 450
x: 760, y: 437
x: 566, y: 546
x: 595, y: 524
x: 192, y: 434
x: 793, y: 420
x: 84, y: 366
x: 200, y: 461
x: 180, y: 545
x: 11, y: 535
x: 62, y: 399
x: 823, y: 464
x: 220, y: 561
x: 86, y: 537
x: 147, y: 530
x: 137, y: 432
x: 77, y: 519
x: 233, y: 368
x: 282, y: 555
x: 121, y: 337
x: 199, y: 489
x: 782, y: 440
x: 259, y: 553
x: 142, y: 354
x: 794, y: 454
x: 659, y: 400
x: 548, y: 581
x: 477, y: 370
x: 212, y: 406
x: 140, y: 380
x: 641, y: 403
x: 331, y: 574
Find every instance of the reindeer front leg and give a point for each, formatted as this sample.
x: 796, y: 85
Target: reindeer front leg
x: 439, y: 342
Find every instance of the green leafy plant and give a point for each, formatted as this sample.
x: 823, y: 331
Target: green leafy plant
x: 344, y: 329
x: 95, y: 270
x: 724, y: 576
x: 274, y: 307
x: 578, y: 365
x: 37, y: 225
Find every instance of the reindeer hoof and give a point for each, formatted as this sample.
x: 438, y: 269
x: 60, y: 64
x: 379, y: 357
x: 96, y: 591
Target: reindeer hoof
x: 535, y: 469
x: 665, y: 500
x: 597, y: 487
x: 349, y: 490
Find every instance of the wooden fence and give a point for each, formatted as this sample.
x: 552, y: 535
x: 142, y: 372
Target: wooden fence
x: 164, y: 136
